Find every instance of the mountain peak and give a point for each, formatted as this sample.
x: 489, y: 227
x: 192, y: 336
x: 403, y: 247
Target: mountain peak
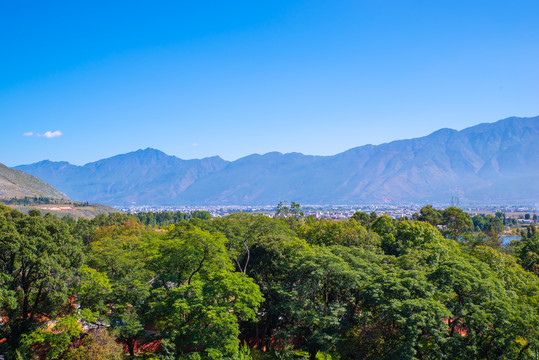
x: 147, y: 152
x: 49, y: 162
x: 444, y: 132
x: 150, y: 150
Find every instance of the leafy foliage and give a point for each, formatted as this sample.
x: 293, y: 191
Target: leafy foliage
x: 38, y: 260
x: 285, y: 287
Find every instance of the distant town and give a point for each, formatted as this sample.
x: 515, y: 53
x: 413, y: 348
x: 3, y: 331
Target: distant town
x: 344, y: 211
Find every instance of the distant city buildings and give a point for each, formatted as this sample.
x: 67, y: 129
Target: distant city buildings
x: 336, y: 211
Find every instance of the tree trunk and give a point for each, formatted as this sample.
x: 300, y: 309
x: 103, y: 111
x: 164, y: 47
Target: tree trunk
x: 131, y: 348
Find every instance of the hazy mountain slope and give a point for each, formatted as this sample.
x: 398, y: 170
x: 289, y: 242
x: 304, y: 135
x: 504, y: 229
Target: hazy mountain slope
x: 144, y: 177
x: 254, y: 179
x: 495, y: 162
x: 18, y: 184
x: 488, y: 162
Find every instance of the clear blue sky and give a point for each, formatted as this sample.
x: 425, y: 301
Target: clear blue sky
x: 231, y: 78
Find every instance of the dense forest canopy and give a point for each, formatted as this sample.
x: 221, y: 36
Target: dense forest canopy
x: 186, y: 286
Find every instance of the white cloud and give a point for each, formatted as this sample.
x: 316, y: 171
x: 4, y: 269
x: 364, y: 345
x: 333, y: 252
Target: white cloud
x: 51, y: 134
x: 195, y: 145
x: 47, y: 134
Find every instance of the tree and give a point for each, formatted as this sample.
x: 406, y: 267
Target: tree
x: 500, y: 215
x: 200, y: 214
x: 528, y: 254
x: 38, y: 260
x: 290, y: 214
x: 197, y: 298
x: 316, y: 299
x: 504, y: 328
x: 96, y: 345
x: 531, y: 231
x: 363, y: 218
x: 400, y: 317
x: 494, y: 226
x: 83, y: 230
x: 92, y: 289
x: 342, y: 232
x: 456, y: 221
x: 34, y: 213
x: 294, y: 210
x: 243, y: 231
x: 187, y: 251
x: 431, y: 215
x: 410, y: 235
x: 384, y: 226
x: 120, y: 254
x: 52, y: 343
x: 479, y: 223
x: 273, y: 260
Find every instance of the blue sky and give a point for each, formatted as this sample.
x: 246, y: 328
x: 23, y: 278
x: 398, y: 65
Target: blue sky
x: 81, y: 81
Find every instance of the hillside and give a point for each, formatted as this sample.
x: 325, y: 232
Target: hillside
x: 19, y: 190
x: 493, y: 162
x: 18, y: 184
x: 75, y: 209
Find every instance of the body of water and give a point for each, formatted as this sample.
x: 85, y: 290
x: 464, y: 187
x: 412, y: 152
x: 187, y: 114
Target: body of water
x: 507, y: 239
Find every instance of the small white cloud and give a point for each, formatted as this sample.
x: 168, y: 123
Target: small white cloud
x: 47, y: 134
x: 51, y: 134
x: 195, y: 145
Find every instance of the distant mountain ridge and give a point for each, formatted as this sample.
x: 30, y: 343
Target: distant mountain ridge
x: 144, y: 176
x: 486, y: 163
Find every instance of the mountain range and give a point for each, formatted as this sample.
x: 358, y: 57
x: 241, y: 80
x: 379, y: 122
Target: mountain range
x: 487, y: 163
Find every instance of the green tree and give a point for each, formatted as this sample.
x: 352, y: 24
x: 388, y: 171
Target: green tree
x: 92, y: 290
x: 52, y: 343
x: 363, y: 218
x: 197, y: 298
x: 292, y: 214
x: 243, y: 231
x: 342, y: 232
x: 528, y: 254
x: 200, y: 214
x: 121, y: 253
x: 34, y: 212
x: 400, y: 318
x: 479, y: 223
x: 316, y: 299
x: 406, y: 235
x: 273, y: 260
x: 431, y: 215
x: 494, y: 226
x: 83, y: 230
x: 456, y: 221
x: 38, y: 260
